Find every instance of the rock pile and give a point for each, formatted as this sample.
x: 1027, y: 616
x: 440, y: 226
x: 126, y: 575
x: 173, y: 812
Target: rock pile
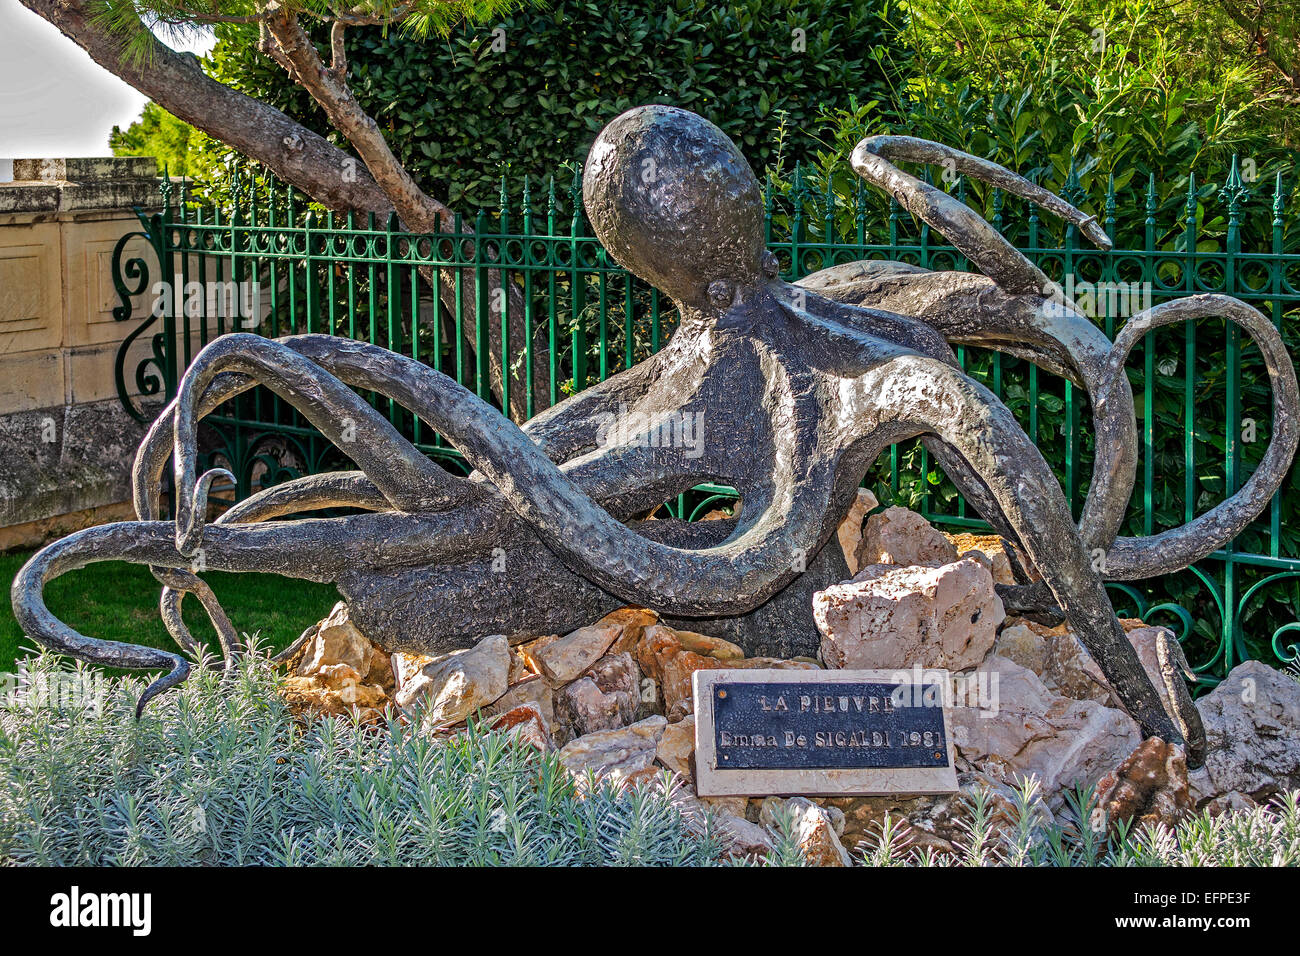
x: 613, y: 699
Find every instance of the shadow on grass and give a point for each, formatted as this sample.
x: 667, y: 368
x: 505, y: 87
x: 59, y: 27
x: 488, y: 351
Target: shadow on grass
x: 117, y: 601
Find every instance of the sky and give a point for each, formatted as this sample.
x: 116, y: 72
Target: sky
x: 55, y: 102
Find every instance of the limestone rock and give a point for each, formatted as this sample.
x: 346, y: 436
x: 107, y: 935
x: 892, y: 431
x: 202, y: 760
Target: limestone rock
x: 1024, y: 645
x: 631, y: 622
x: 1072, y: 672
x: 565, y: 659
x: 338, y: 694
x: 528, y: 651
x: 337, y: 641
x: 677, y: 670
x: 657, y: 646
x: 714, y: 647
x: 526, y: 724
x: 534, y: 691
x: 850, y: 529
x: 459, y: 683
x: 811, y: 825
x: 742, y: 838
x: 1150, y: 786
x: 891, y: 617
x: 336, y: 671
x: 990, y: 548
x: 1232, y: 802
x: 1252, y: 729
x: 676, y: 749
x: 603, y: 699
x: 1145, y: 641
x: 1032, y: 730
x: 899, y: 536
x: 619, y: 754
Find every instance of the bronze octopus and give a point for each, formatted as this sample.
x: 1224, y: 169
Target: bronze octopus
x: 797, y: 388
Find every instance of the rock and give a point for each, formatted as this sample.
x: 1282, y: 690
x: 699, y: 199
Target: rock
x: 1060, y: 659
x: 850, y: 529
x: 631, y: 622
x: 457, y: 684
x: 337, y: 671
x: 1232, y: 802
x: 990, y: 548
x: 381, y: 672
x: 603, y: 699
x: 618, y: 754
x: 519, y: 668
x: 812, y: 826
x: 891, y: 617
x: 741, y: 837
x: 1146, y: 641
x: 526, y: 724
x: 338, y: 692
x: 677, y: 747
x: 675, y: 685
x: 899, y: 536
x: 528, y: 651
x: 337, y: 641
x: 660, y: 643
x: 1072, y: 672
x: 657, y: 646
x: 534, y: 691
x: 1252, y: 729
x: 565, y: 659
x: 736, y: 806
x: 1031, y: 730
x: 714, y: 647
x: 1150, y: 786
x: 1024, y: 645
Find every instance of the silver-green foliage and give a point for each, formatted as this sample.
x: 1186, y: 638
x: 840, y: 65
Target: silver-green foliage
x: 222, y: 774
x: 1261, y: 836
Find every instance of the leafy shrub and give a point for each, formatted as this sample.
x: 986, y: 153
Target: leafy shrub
x: 458, y: 113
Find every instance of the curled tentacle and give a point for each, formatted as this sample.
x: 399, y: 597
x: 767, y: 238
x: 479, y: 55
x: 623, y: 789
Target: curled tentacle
x: 27, y: 593
x: 872, y: 159
x: 1169, y: 551
x: 407, y: 478
x: 936, y: 398
x: 968, y: 309
x: 733, y: 577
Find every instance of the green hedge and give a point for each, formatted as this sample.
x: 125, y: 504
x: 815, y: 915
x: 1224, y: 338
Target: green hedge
x: 459, y: 113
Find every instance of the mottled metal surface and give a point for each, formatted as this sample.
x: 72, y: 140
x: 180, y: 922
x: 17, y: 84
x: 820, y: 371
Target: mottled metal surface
x: 792, y: 392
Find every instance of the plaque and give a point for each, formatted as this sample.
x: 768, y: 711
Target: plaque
x: 760, y: 732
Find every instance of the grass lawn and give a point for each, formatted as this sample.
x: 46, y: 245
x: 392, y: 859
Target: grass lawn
x: 119, y: 601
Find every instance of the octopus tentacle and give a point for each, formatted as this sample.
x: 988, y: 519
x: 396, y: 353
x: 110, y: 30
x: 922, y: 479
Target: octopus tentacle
x: 873, y: 160
x: 968, y: 309
x: 36, y: 620
x: 969, y: 418
x: 407, y: 478
x: 1169, y: 551
x: 733, y: 577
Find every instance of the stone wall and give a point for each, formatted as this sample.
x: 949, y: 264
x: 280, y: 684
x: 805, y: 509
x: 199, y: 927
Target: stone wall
x: 66, y: 443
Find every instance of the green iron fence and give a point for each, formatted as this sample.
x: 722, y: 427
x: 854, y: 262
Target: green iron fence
x: 1202, y: 398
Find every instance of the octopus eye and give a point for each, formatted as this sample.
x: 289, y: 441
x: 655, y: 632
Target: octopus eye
x: 721, y: 292
x: 770, y: 265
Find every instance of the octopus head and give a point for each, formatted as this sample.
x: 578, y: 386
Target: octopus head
x: 675, y: 202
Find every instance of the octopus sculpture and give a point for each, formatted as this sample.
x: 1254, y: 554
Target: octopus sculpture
x: 785, y: 392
